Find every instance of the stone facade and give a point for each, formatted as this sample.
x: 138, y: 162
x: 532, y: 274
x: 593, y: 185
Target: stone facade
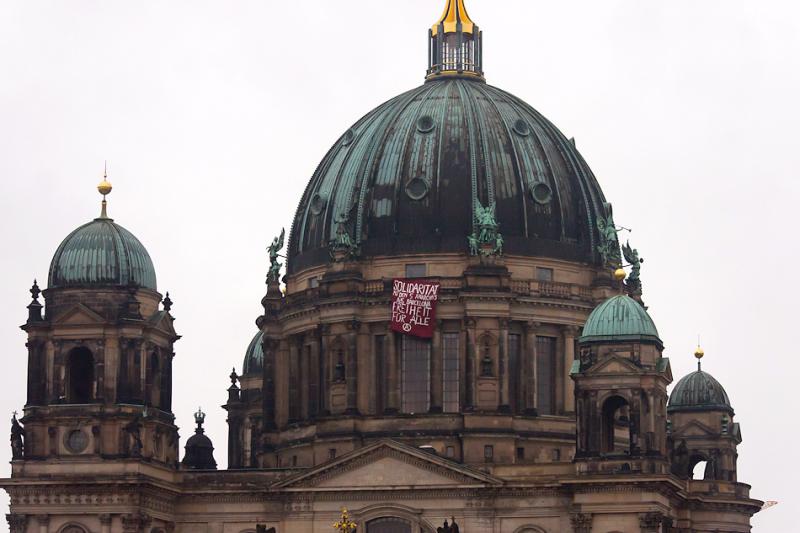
x: 513, y: 418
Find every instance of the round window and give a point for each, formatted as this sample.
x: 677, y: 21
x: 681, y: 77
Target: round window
x: 349, y: 137
x: 521, y: 128
x: 425, y: 124
x: 77, y: 441
x: 318, y: 203
x: 417, y: 188
x: 542, y: 193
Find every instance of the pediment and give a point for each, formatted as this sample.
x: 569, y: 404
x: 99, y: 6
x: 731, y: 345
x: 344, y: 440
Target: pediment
x: 79, y: 315
x: 388, y: 464
x: 163, y: 321
x: 695, y: 428
x: 615, y: 365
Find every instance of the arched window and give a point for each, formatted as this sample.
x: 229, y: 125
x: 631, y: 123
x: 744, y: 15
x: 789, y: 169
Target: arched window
x: 80, y: 376
x: 416, y: 375
x: 700, y: 467
x: 615, y: 431
x: 72, y: 528
x: 389, y: 525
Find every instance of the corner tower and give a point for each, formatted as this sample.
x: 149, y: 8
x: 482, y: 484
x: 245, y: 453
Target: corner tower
x: 100, y: 357
x: 621, y: 384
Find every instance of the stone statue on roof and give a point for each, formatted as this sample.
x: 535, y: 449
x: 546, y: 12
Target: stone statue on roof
x: 274, y: 265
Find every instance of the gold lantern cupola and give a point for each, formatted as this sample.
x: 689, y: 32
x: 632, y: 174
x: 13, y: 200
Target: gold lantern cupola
x: 455, y: 45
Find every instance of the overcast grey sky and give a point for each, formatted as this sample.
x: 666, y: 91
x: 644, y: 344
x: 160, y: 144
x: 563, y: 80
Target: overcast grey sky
x: 214, y: 114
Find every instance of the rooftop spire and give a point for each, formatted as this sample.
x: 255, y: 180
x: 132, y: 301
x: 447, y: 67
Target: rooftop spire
x: 104, y: 188
x: 455, y: 46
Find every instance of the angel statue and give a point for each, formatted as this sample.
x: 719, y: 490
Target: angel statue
x: 609, y: 242
x: 634, y: 283
x: 487, y: 240
x: 342, y: 246
x: 274, y: 265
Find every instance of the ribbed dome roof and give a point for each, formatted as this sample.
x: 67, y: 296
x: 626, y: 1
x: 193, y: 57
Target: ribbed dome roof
x: 101, y: 253
x: 407, y: 177
x: 254, y: 358
x: 698, y: 391
x: 620, y: 318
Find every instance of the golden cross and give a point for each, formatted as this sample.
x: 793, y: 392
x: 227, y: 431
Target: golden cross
x: 344, y: 523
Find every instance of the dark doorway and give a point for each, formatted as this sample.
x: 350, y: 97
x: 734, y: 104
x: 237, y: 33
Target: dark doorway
x: 389, y: 525
x: 80, y: 376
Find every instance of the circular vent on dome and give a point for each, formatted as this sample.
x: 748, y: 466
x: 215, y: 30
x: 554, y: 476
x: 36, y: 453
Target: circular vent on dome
x: 521, y: 128
x: 417, y: 188
x: 425, y: 124
x: 542, y: 193
x: 318, y: 203
x: 349, y: 136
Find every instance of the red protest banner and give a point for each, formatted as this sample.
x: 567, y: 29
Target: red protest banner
x: 414, y: 307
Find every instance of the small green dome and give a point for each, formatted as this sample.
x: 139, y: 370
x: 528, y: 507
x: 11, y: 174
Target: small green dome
x: 101, y: 253
x: 620, y: 318
x: 254, y: 358
x: 699, y: 391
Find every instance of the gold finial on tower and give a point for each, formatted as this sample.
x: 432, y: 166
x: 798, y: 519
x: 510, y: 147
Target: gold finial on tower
x: 105, y: 189
x: 454, y: 12
x: 699, y: 353
x: 620, y: 274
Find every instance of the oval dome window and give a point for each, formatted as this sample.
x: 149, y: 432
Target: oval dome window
x: 318, y: 203
x: 348, y: 138
x: 542, y: 193
x: 417, y: 188
x: 425, y: 124
x: 521, y: 128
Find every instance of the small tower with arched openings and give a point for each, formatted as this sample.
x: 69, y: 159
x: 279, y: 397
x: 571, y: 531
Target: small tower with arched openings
x: 701, y: 427
x: 621, y: 381
x: 100, y: 352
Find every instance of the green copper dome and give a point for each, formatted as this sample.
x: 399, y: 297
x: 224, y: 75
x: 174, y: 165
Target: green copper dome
x: 620, y: 318
x: 698, y: 391
x: 408, y: 177
x: 254, y: 358
x: 101, y: 253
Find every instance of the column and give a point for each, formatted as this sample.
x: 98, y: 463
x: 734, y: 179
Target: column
x: 365, y: 355
x: 44, y: 522
x: 530, y: 364
x: 304, y: 377
x: 315, y: 377
x: 581, y: 522
x: 268, y: 392
x: 392, y: 350
x: 651, y: 522
x: 569, y: 334
x: 293, y: 396
x: 351, y: 368
x: 437, y: 362
x: 17, y: 523
x: 105, y: 523
x: 325, y: 378
x: 472, y: 365
x: 505, y: 404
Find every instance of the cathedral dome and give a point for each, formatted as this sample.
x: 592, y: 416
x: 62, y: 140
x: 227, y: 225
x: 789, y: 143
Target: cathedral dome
x: 620, y: 318
x: 101, y: 253
x: 408, y: 177
x: 254, y: 358
x: 698, y: 391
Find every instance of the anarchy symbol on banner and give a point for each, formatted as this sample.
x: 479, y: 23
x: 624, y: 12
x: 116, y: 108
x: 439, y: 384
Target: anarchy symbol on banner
x: 406, y: 327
